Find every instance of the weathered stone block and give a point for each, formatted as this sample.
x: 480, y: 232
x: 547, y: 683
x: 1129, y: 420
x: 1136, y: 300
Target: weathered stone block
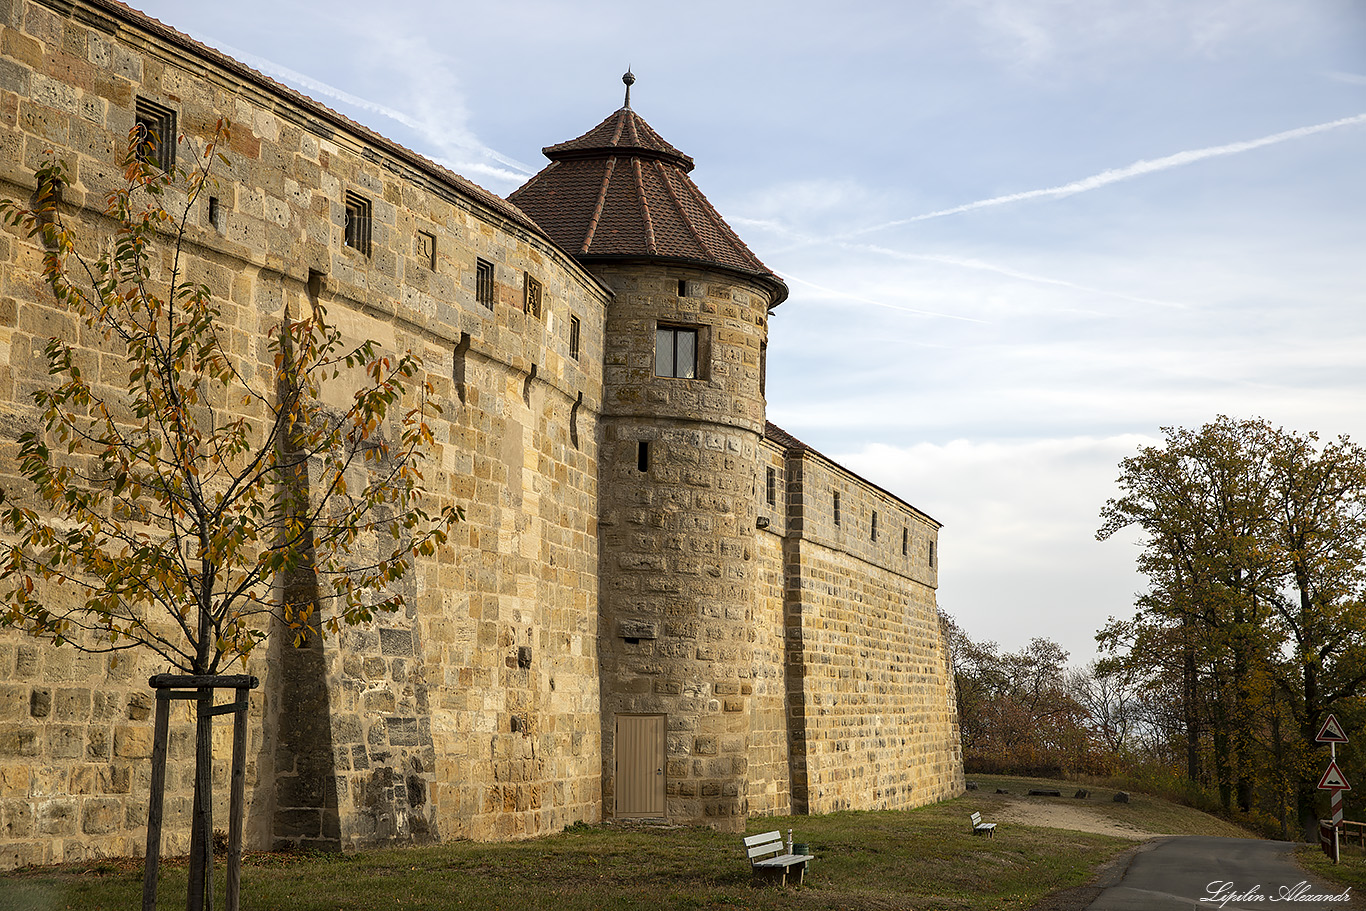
x: 101, y: 816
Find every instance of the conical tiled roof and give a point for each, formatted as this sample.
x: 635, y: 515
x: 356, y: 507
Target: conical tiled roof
x: 620, y: 191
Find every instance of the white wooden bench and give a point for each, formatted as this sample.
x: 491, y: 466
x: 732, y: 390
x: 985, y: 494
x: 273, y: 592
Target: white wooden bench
x: 770, y: 860
x: 982, y: 828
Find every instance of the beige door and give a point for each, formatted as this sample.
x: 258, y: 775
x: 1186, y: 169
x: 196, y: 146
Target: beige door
x: 640, y: 765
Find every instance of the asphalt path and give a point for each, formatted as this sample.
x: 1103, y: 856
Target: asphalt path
x: 1201, y: 872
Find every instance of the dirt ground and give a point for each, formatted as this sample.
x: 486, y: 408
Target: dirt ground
x: 1079, y: 818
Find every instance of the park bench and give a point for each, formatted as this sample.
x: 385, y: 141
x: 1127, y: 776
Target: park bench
x: 770, y: 860
x: 982, y: 828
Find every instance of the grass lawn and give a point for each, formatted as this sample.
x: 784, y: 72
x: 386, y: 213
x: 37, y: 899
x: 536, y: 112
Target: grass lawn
x: 1350, y: 870
x: 914, y: 859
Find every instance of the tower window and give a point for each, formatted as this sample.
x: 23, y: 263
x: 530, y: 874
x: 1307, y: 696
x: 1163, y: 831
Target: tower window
x: 531, y: 299
x: 643, y: 455
x: 771, y: 485
x: 574, y: 337
x: 905, y: 540
x: 873, y: 533
x: 837, y: 507
x: 682, y: 288
x: 483, y: 282
x: 931, y: 555
x: 358, y: 223
x: 155, y: 127
x: 215, y: 213
x: 676, y: 352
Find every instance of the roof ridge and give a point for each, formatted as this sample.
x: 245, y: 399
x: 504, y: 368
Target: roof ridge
x: 645, y: 208
x: 597, y: 209
x: 682, y: 213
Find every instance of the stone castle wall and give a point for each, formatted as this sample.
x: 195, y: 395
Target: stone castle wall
x: 476, y: 712
x: 867, y: 658
x: 799, y: 666
x: 770, y: 724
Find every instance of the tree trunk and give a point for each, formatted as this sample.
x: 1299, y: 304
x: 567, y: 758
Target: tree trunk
x: 1190, y: 710
x: 200, y: 895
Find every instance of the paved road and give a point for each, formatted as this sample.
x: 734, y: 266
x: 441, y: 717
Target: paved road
x: 1198, y: 872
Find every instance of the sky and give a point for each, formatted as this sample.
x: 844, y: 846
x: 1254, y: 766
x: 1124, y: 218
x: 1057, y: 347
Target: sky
x: 1021, y: 236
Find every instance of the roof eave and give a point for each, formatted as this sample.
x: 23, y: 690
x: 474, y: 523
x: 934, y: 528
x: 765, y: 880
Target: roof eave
x: 768, y: 280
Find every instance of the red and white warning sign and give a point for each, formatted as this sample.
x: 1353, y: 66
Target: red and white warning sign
x: 1331, y: 732
x: 1333, y: 779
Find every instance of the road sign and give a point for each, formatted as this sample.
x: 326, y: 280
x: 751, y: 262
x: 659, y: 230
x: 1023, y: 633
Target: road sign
x: 1333, y: 779
x: 1331, y: 732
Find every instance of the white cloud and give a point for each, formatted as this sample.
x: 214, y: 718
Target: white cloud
x: 1018, y: 551
x: 439, y: 120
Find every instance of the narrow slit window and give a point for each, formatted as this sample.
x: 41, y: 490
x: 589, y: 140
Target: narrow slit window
x: 931, y: 555
x: 154, y: 125
x: 676, y: 352
x: 837, y: 507
x: 483, y: 282
x: 905, y: 541
x: 215, y: 213
x: 682, y: 288
x: 643, y: 455
x: 358, y: 223
x: 873, y: 532
x: 771, y: 486
x: 574, y: 337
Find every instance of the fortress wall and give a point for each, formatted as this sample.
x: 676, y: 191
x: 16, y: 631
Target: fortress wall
x: 475, y: 712
x: 769, y: 786
x: 879, y: 728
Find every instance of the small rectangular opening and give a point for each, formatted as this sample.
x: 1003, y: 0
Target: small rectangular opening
x: 357, y: 234
x: 873, y: 534
x: 682, y: 288
x: 643, y: 455
x: 574, y: 337
x: 154, y: 125
x: 215, y: 213
x: 837, y: 507
x: 931, y: 555
x: 483, y: 282
x: 905, y: 541
x: 771, y: 486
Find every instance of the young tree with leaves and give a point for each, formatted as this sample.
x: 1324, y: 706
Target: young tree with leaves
x: 165, y: 507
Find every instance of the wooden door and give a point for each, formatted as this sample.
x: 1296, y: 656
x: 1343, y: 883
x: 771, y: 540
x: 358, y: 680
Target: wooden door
x: 640, y: 766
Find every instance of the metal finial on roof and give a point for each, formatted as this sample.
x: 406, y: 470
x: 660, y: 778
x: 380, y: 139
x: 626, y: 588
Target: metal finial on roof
x: 629, y: 79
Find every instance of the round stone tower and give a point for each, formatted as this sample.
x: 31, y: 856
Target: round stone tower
x: 682, y: 415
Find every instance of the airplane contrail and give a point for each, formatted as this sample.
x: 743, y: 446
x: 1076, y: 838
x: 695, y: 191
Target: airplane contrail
x: 1115, y: 175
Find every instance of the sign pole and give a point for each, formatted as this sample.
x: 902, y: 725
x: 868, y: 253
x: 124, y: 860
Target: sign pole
x: 1333, y: 780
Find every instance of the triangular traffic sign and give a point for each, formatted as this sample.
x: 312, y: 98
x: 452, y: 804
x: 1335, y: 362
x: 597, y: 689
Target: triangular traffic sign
x: 1331, y: 732
x: 1333, y: 779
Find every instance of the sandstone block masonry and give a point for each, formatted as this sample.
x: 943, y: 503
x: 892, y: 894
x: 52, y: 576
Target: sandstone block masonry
x: 654, y: 608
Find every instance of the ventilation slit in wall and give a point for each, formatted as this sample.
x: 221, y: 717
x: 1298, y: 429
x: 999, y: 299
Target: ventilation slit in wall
x: 458, y: 359
x: 643, y: 455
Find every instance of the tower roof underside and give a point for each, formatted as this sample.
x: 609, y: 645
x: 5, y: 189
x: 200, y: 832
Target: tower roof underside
x: 620, y: 191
